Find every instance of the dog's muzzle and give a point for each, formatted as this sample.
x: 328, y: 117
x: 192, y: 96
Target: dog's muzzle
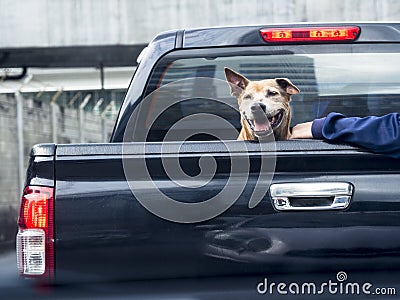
x: 262, y: 124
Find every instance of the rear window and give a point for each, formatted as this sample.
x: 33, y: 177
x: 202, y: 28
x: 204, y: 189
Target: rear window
x: 353, y: 79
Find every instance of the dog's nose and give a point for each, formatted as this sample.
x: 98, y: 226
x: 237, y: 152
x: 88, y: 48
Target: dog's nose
x: 257, y: 105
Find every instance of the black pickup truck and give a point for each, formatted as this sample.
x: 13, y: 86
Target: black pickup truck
x: 175, y: 195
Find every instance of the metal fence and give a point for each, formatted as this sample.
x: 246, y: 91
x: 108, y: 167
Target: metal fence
x: 24, y: 122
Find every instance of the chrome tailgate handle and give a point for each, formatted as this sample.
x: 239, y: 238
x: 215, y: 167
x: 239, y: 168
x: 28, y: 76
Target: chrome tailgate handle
x: 311, y: 195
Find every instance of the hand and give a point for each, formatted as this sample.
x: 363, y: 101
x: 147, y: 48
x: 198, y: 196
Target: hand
x: 302, y: 131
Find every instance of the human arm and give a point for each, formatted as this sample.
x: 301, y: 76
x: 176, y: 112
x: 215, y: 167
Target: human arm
x: 379, y: 134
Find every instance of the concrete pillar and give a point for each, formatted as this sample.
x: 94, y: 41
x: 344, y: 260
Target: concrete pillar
x: 54, y: 109
x: 103, y: 130
x: 103, y: 120
x: 20, y: 138
x: 81, y: 116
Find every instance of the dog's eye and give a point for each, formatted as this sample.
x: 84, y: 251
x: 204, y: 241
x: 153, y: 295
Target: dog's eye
x: 272, y: 93
x: 247, y: 97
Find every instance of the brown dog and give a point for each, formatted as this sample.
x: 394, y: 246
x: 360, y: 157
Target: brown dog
x: 264, y: 105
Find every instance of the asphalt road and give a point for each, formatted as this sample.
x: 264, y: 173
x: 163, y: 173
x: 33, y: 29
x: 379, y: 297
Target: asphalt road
x: 10, y: 282
x: 8, y: 270
x: 13, y: 287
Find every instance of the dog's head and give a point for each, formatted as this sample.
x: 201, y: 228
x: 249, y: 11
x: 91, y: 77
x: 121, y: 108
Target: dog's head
x: 264, y: 105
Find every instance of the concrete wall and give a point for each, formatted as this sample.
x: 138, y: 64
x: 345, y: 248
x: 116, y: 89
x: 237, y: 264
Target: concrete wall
x: 9, y: 195
x: 37, y: 128
x: 98, y: 22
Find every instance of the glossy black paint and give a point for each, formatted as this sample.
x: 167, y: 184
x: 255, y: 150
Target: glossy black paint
x: 41, y: 165
x: 250, y: 35
x: 103, y: 233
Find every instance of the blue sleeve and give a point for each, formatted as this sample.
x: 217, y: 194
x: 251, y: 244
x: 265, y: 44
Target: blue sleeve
x: 378, y: 134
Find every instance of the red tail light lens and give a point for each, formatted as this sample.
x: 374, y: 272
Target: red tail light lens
x: 310, y: 34
x: 35, y: 239
x: 34, y: 207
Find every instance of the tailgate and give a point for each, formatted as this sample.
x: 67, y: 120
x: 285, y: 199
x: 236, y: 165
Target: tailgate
x: 104, y: 232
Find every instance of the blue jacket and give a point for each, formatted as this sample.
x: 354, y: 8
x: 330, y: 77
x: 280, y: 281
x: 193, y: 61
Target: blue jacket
x: 379, y: 134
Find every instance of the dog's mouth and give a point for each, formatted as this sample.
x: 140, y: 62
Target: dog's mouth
x: 262, y: 124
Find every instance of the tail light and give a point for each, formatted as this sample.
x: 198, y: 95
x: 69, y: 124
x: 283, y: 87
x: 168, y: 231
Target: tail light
x: 310, y: 34
x: 35, y: 238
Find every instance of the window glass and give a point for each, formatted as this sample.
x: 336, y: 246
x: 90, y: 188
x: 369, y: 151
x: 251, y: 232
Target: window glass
x: 356, y: 80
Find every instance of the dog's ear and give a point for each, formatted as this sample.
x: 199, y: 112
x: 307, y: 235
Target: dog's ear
x: 236, y: 81
x: 287, y: 86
